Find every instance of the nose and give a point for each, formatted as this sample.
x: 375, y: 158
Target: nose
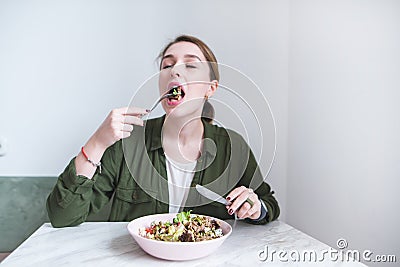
x: 175, y: 72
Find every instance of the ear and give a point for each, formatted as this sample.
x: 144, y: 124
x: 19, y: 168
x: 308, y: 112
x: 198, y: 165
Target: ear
x: 212, y: 88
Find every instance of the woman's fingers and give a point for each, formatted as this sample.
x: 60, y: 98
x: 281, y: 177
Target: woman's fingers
x: 132, y: 115
x: 118, y: 125
x: 133, y: 120
x: 255, y: 211
x: 235, y: 193
x: 237, y: 197
x: 129, y: 121
x: 135, y: 111
x: 243, y: 209
x: 127, y: 127
x: 247, y: 211
x: 125, y: 134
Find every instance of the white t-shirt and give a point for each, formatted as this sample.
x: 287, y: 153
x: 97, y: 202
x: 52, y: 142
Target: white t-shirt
x: 180, y: 176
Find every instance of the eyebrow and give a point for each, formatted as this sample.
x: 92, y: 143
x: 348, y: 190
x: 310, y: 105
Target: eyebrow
x: 185, y: 56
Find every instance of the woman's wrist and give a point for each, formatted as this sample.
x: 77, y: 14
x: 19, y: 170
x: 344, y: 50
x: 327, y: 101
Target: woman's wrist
x: 94, y: 149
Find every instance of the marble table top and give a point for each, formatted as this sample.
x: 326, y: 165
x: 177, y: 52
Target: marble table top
x: 109, y: 244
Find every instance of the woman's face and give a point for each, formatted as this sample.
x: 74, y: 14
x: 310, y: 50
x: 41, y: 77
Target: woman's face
x: 184, y: 66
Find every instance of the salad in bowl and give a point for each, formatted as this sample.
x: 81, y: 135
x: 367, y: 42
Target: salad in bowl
x: 184, y: 228
x: 179, y: 236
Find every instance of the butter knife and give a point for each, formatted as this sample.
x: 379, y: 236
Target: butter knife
x: 212, y: 195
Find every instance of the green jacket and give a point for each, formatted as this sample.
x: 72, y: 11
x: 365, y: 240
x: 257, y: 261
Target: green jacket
x: 134, y: 174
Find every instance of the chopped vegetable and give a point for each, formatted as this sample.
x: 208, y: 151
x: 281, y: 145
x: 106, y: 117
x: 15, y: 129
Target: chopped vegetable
x: 182, y: 217
x: 184, y: 228
x: 176, y: 93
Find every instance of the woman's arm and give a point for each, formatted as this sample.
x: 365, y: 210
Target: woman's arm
x: 75, y: 196
x: 82, y: 188
x: 253, y: 186
x: 262, y: 189
x: 117, y: 125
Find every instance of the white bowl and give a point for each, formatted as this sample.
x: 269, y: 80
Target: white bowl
x: 178, y: 251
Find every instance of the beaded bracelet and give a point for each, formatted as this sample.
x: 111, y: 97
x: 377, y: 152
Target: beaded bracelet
x: 98, y: 164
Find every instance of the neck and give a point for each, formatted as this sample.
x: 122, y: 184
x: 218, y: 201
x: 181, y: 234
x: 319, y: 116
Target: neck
x: 183, y: 130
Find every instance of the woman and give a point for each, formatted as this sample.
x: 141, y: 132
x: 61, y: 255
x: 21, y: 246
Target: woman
x: 153, y: 166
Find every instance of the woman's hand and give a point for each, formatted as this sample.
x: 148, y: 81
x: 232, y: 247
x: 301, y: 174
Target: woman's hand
x: 240, y: 204
x: 118, y: 124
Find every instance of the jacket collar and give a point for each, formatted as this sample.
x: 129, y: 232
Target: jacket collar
x: 154, y: 130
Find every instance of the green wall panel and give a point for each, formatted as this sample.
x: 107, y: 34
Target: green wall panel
x: 23, y: 208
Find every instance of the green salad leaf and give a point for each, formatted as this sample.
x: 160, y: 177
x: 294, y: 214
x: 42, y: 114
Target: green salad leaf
x: 182, y: 217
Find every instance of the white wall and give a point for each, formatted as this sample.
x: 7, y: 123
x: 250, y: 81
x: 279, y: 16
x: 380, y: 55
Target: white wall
x: 65, y: 64
x: 344, y: 126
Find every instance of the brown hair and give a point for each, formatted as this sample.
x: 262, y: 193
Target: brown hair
x: 208, y: 110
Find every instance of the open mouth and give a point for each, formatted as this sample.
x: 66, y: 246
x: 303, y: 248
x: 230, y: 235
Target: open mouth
x: 176, y: 93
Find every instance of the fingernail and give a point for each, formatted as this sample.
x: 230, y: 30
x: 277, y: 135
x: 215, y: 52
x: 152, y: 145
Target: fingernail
x: 230, y: 211
x: 228, y: 198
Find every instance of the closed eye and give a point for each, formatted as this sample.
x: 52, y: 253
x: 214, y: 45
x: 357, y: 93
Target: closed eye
x: 192, y: 66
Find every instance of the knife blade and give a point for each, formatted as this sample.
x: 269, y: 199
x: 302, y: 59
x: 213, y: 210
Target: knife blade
x: 212, y: 195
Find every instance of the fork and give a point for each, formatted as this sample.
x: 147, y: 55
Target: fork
x: 159, y: 100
